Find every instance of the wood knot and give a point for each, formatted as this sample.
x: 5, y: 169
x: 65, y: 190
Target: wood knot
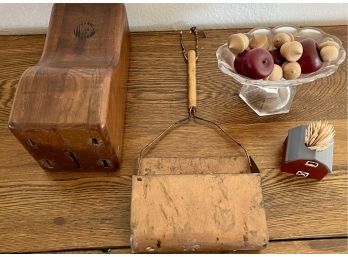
x: 59, y: 221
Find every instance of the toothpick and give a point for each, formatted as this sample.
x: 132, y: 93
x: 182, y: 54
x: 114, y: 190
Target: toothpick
x: 319, y: 135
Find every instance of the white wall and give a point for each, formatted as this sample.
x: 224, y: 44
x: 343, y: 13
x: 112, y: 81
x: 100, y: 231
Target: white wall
x: 33, y: 18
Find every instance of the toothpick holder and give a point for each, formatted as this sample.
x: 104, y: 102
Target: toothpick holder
x: 301, y: 161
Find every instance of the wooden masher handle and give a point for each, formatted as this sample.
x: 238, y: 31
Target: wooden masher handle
x: 191, y: 70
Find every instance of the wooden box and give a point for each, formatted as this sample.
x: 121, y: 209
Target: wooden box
x: 69, y: 109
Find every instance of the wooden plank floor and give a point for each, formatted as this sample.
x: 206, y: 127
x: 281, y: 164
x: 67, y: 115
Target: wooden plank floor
x: 43, y: 212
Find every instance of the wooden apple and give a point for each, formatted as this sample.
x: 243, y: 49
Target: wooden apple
x: 238, y: 63
x: 310, y: 60
x: 257, y: 63
x: 277, y: 57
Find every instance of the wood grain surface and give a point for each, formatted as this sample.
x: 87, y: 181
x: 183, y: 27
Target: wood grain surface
x: 69, y: 109
x: 42, y: 211
x: 334, y: 245
x: 168, y: 212
x: 203, y: 165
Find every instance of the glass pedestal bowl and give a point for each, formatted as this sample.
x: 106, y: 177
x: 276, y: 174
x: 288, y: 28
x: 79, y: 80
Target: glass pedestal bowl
x: 275, y: 97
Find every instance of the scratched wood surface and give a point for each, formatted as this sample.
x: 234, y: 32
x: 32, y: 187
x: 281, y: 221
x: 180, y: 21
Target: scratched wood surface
x: 41, y: 211
x: 338, y: 245
x: 167, y: 213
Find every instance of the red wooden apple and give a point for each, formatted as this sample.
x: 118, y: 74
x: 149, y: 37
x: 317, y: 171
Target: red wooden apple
x: 310, y: 60
x: 277, y: 57
x: 238, y: 63
x: 257, y: 63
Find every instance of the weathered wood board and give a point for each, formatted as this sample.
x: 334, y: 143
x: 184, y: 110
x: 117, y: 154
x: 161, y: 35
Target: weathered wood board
x: 197, y: 212
x: 193, y: 165
x: 320, y: 246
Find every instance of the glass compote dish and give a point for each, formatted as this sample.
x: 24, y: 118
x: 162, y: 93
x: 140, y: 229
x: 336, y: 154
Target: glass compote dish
x: 274, y: 97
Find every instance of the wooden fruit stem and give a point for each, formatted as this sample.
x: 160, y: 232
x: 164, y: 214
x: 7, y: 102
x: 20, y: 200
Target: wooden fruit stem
x: 192, y: 90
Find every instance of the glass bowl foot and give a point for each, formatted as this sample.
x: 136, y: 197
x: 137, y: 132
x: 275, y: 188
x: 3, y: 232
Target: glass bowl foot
x: 268, y: 101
